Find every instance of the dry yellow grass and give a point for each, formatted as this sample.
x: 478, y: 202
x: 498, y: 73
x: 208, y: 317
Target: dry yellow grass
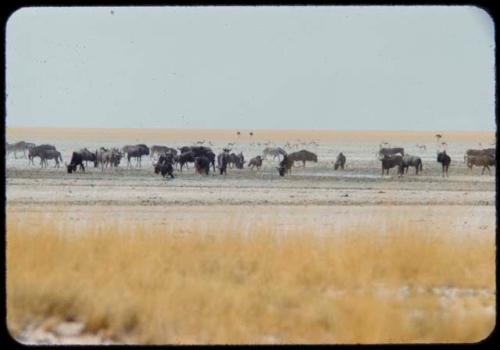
x: 156, y: 286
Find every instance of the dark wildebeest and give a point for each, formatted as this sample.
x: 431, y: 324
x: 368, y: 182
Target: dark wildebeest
x: 165, y: 165
x: 222, y: 161
x: 285, y: 165
x: 303, y: 156
x: 255, y: 162
x: 479, y: 152
x: 202, y: 165
x: 340, y: 162
x: 484, y: 160
x: 186, y: 157
x: 414, y: 161
x: 87, y: 156
x: 50, y: 154
x: 445, y: 161
x: 38, y: 151
x: 389, y: 162
x: 390, y: 151
x: 237, y: 160
x: 273, y: 151
x: 76, y: 159
x: 135, y: 151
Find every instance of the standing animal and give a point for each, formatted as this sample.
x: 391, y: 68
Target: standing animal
x: 237, y: 160
x: 39, y: 151
x: 255, y: 162
x: 445, y: 161
x: 222, y: 161
x: 76, y: 159
x: 412, y: 161
x: 155, y: 149
x: 109, y: 158
x: 202, y: 165
x: 135, y: 151
x: 389, y: 162
x: 340, y: 162
x: 184, y: 158
x: 274, y: 152
x: 390, y: 151
x: 303, y: 156
x: 20, y: 146
x: 484, y: 160
x: 479, y: 152
x: 285, y: 165
x: 50, y: 154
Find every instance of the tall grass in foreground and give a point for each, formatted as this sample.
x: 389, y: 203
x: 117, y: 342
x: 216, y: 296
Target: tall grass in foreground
x: 155, y: 286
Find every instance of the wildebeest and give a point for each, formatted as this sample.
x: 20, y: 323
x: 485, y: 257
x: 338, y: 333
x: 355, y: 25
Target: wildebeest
x: 274, y: 152
x: 389, y: 162
x: 51, y: 154
x: 414, y: 161
x: 202, y: 165
x: 39, y: 151
x: 222, y: 161
x: 87, y: 156
x: 238, y: 160
x: 255, y: 162
x: 390, y: 151
x: 340, y: 162
x: 445, y: 161
x: 76, y: 159
x: 479, y: 152
x: 185, y: 157
x: 484, y: 160
x: 135, y: 151
x: 20, y: 146
x: 303, y: 156
x: 109, y: 157
x: 285, y: 165
x: 165, y: 165
x: 155, y: 149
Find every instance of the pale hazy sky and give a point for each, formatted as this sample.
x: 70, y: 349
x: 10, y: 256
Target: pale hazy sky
x: 345, y: 68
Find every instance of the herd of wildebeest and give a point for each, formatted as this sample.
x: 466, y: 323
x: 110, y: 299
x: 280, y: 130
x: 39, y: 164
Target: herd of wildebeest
x: 204, y: 158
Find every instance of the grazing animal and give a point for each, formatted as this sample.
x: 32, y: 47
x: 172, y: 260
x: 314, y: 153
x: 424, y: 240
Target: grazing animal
x: 445, y: 161
x: 76, y: 159
x: 237, y: 160
x: 222, y: 161
x: 51, y: 154
x: 340, y: 162
x: 135, y: 151
x: 392, y: 161
x: 484, y: 160
x: 165, y: 165
x: 255, y: 162
x: 285, y: 165
x: 303, y: 156
x: 274, y: 152
x: 414, y: 161
x: 202, y: 165
x: 390, y: 151
x: 39, y: 151
x: 87, y: 156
